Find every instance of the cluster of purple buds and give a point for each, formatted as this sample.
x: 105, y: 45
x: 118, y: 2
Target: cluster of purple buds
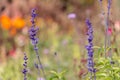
x: 33, y: 31
x: 89, y: 47
x: 25, y: 67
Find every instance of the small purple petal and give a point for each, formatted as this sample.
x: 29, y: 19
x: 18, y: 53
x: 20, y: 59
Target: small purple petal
x: 40, y: 78
x: 71, y: 15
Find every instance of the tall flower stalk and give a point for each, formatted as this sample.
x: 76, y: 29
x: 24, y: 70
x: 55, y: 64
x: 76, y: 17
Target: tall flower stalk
x: 107, y: 37
x: 34, y: 40
x: 102, y: 11
x: 89, y: 47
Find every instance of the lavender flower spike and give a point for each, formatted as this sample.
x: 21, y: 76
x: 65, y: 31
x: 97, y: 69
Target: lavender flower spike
x: 25, y: 67
x: 34, y: 40
x: 33, y: 30
x: 89, y: 48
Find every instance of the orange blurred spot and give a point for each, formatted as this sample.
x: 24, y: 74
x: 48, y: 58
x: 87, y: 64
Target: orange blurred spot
x: 13, y: 31
x: 49, y: 20
x: 18, y: 23
x: 5, y: 22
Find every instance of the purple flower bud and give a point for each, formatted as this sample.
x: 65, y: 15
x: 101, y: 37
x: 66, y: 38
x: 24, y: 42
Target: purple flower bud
x: 71, y: 15
x: 40, y: 78
x: 112, y: 62
x: 25, y: 67
x: 36, y: 65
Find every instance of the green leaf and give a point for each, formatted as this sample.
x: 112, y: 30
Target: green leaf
x: 53, y: 72
x: 54, y: 77
x: 101, y: 75
x: 63, y: 72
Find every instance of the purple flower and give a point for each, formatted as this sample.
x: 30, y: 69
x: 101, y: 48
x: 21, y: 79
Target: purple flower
x: 25, y: 67
x: 89, y: 47
x: 112, y: 62
x: 33, y: 30
x: 33, y: 15
x: 40, y: 78
x: 71, y: 15
x: 32, y: 34
x: 34, y: 40
x: 46, y: 51
x: 36, y: 65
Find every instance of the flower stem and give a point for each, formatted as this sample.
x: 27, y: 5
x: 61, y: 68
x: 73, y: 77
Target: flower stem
x: 40, y: 63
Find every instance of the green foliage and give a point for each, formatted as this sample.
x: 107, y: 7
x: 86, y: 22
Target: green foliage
x: 57, y: 75
x: 107, y: 70
x: 11, y: 70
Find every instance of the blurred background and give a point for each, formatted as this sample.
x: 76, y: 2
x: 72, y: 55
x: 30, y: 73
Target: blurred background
x: 62, y: 35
